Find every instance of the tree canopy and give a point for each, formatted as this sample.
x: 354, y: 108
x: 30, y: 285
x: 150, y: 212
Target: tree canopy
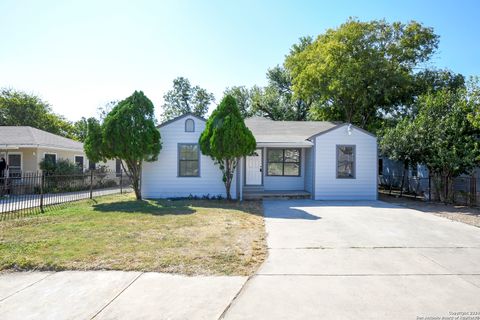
x: 439, y: 136
x: 274, y: 101
x: 18, y: 108
x: 185, y: 98
x: 226, y: 138
x: 361, y: 69
x: 127, y: 133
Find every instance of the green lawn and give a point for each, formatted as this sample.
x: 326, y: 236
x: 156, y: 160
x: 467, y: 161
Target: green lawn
x: 119, y: 233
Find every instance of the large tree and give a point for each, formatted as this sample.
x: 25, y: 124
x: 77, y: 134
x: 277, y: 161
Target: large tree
x: 361, y: 70
x: 80, y: 129
x: 402, y: 143
x: 128, y: 133
x: 226, y: 138
x: 18, y: 108
x: 185, y: 98
x: 473, y: 91
x: 274, y: 101
x: 243, y: 96
x: 93, y: 143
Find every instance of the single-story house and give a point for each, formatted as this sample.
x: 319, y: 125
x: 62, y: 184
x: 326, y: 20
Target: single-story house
x: 24, y: 147
x: 315, y: 159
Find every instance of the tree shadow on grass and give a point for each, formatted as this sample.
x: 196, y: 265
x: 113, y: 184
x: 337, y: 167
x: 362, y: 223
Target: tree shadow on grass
x: 177, y: 207
x: 144, y: 207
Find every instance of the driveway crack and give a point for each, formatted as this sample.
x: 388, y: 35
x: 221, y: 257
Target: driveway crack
x: 224, y: 313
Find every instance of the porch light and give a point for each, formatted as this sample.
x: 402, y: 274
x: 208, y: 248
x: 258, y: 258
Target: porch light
x: 349, y: 129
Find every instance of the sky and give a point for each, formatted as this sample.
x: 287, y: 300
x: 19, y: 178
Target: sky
x: 79, y: 55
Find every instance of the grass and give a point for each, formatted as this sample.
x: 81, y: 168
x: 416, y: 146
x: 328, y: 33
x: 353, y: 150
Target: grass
x: 212, y: 237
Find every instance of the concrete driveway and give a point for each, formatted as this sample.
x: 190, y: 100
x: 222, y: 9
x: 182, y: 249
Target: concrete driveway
x: 362, y: 260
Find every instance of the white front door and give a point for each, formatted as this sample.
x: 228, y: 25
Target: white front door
x: 253, y: 166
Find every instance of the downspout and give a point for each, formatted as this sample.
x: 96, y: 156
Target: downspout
x: 240, y: 178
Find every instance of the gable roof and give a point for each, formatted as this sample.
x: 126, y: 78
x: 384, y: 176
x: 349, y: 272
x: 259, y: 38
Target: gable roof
x: 180, y: 117
x: 24, y: 136
x: 272, y: 132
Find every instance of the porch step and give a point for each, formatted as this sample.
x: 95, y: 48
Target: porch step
x: 253, y: 189
x: 288, y: 194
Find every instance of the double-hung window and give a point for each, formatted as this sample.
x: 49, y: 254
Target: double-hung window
x: 188, y: 160
x: 345, y: 162
x: 283, y: 162
x: 15, y: 165
x: 51, y: 158
x: 79, y: 160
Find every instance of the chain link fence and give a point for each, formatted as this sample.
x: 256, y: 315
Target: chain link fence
x: 457, y: 190
x: 30, y: 193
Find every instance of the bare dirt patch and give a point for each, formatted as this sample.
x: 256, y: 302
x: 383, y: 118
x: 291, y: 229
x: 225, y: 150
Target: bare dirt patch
x: 468, y: 215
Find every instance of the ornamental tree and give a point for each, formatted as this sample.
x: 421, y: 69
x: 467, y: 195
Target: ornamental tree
x: 226, y: 138
x: 128, y: 133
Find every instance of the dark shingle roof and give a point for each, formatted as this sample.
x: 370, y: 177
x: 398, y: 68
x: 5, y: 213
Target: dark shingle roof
x: 24, y: 136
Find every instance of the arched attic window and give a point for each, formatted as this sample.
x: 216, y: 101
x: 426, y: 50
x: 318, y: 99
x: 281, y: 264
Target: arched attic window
x: 189, y: 125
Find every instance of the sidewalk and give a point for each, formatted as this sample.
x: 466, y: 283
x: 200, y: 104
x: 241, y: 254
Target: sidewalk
x: 114, y: 295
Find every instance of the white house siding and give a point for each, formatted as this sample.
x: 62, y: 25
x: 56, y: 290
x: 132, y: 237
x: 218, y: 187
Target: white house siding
x: 160, y: 178
x: 284, y: 183
x: 309, y: 170
x: 327, y: 186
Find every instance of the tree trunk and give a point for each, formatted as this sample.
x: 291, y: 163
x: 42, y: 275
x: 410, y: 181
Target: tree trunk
x: 228, y: 179
x: 405, y: 166
x: 438, y: 184
x: 136, y: 188
x: 134, y: 172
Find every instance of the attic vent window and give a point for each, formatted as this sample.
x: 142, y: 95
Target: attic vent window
x: 189, y: 125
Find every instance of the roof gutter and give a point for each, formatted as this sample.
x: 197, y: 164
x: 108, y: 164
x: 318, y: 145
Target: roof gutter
x: 19, y: 146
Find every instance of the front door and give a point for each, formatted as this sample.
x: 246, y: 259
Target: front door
x: 253, y: 166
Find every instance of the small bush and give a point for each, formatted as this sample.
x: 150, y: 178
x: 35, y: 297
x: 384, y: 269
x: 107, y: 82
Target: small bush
x: 59, y: 167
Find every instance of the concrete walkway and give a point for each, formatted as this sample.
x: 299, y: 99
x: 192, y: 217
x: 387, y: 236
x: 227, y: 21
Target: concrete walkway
x: 361, y: 260
x: 114, y: 295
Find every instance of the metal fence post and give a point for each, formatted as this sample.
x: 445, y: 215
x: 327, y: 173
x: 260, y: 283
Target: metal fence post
x: 121, y: 181
x: 91, y: 184
x: 42, y: 181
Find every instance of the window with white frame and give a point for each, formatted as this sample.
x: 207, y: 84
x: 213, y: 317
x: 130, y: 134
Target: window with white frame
x: 345, y: 162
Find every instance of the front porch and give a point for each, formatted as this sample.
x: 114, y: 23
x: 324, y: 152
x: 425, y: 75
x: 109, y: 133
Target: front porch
x: 277, y: 172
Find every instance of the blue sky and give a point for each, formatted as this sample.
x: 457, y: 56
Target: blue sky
x: 78, y: 55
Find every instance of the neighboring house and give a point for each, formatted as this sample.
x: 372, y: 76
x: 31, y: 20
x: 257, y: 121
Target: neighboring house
x: 320, y: 160
x: 390, y: 173
x: 25, y: 147
x: 393, y: 168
